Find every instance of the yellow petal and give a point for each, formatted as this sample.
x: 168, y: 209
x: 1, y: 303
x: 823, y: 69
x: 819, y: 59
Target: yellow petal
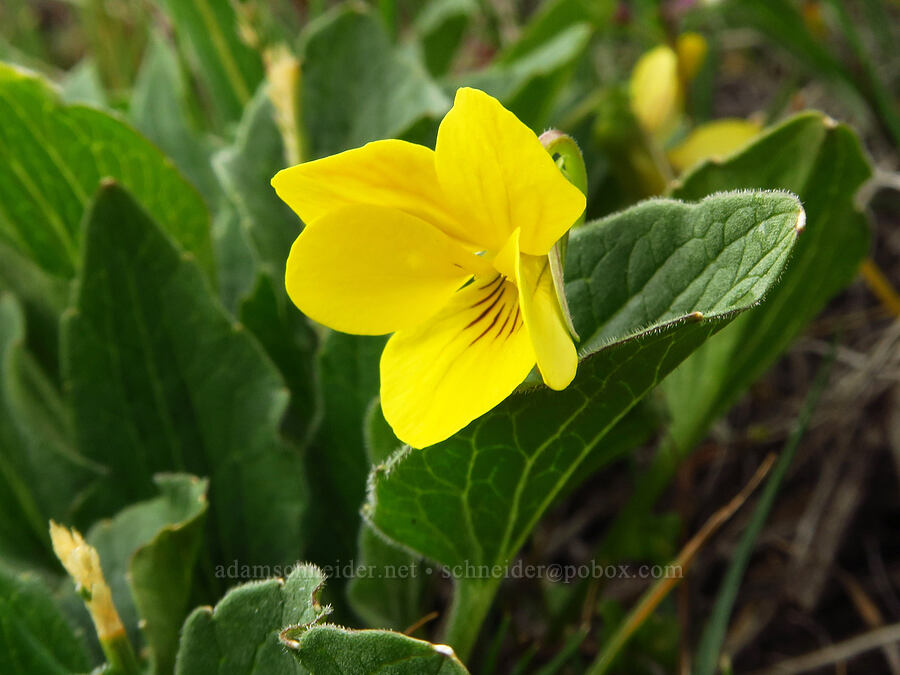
x: 372, y: 270
x: 712, y: 141
x: 392, y: 173
x: 438, y: 377
x: 656, y: 91
x: 499, y: 177
x: 557, y: 358
x: 691, y: 49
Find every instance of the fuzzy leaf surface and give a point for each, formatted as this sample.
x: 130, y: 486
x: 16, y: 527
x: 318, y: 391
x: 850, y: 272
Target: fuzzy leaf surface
x: 161, y: 379
x: 646, y: 288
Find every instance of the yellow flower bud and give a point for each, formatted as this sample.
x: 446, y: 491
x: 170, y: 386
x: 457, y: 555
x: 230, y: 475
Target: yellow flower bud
x: 83, y: 564
x: 691, y: 49
x: 656, y: 96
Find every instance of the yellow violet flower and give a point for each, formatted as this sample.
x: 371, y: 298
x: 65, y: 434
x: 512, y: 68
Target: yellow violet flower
x: 446, y: 249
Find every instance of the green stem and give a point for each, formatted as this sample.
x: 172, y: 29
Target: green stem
x: 472, y: 599
x: 120, y: 655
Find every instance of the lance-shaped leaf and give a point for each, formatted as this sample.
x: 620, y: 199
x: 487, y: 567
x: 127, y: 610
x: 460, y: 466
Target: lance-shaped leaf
x: 54, y: 157
x: 161, y: 379
x: 148, y: 552
x: 241, y: 635
x: 34, y: 635
x: 440, y: 26
x: 330, y: 650
x: 823, y: 163
x: 159, y: 109
x: 209, y: 33
x: 646, y: 287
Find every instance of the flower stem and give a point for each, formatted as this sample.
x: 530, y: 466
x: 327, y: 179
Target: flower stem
x: 472, y: 599
x: 120, y: 654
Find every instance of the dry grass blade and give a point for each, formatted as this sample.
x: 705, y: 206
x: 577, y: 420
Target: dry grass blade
x: 655, y: 595
x: 836, y: 653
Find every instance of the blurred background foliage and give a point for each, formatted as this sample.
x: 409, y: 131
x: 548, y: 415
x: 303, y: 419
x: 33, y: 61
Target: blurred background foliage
x: 229, y: 93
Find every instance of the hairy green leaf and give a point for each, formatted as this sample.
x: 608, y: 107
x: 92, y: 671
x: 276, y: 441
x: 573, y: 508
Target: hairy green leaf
x: 330, y: 650
x: 823, y: 163
x: 241, y: 635
x: 646, y: 287
x: 148, y: 553
x: 161, y: 379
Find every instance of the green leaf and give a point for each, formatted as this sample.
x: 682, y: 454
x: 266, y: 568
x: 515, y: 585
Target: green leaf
x: 290, y: 342
x: 245, y: 170
x: 783, y: 24
x: 56, y: 156
x: 22, y: 524
x: 40, y: 474
x: 148, y: 553
x: 389, y: 593
x: 347, y: 372
x: 528, y: 85
x: 235, y: 256
x: 34, y: 636
x: 823, y: 163
x: 82, y: 84
x: 554, y: 18
x: 330, y: 650
x: 208, y: 32
x: 241, y: 635
x: 161, y: 379
x: 159, y: 109
x: 646, y: 287
x: 357, y: 87
x: 381, y: 442
x: 43, y: 296
x: 440, y: 27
